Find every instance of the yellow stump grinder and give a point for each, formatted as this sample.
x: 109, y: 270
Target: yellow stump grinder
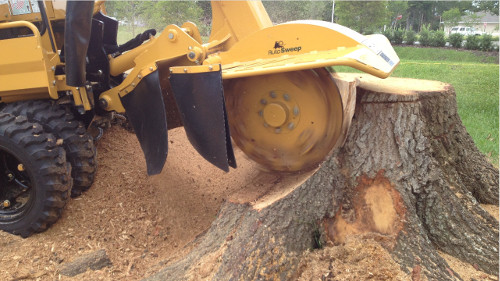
x: 263, y: 86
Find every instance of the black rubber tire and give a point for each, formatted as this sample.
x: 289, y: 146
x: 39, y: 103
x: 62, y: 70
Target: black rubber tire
x: 80, y: 149
x: 45, y: 167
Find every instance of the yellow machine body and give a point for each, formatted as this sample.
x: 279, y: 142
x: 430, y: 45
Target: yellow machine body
x: 243, y: 45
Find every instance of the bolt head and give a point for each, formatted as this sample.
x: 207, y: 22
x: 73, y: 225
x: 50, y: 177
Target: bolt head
x: 6, y: 204
x: 171, y: 36
x: 20, y: 168
x: 273, y: 94
x: 291, y: 125
x: 295, y: 110
x: 263, y: 101
x: 286, y: 97
x: 277, y: 130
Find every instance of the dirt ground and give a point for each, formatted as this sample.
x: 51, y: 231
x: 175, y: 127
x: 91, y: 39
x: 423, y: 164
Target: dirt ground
x: 146, y: 222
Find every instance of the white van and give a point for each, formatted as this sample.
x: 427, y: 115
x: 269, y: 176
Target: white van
x: 465, y: 30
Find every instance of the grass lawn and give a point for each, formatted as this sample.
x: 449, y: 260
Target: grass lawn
x: 474, y: 75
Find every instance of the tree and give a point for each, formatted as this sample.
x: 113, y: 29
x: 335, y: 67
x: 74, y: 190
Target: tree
x: 408, y: 177
x: 159, y: 14
x: 487, y: 6
x: 452, y: 16
x: 283, y: 11
x: 128, y: 12
x: 362, y: 16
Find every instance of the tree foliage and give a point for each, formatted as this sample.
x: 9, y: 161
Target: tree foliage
x: 363, y: 16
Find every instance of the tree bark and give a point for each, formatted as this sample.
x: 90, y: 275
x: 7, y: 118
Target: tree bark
x: 408, y: 176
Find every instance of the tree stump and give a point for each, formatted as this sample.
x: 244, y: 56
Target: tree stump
x: 408, y: 177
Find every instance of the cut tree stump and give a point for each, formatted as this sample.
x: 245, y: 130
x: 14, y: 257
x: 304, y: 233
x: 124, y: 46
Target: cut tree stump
x: 408, y: 176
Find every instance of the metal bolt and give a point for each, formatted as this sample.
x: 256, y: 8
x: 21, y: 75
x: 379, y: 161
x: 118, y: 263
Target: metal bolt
x: 151, y: 68
x: 171, y: 36
x: 210, y: 67
x: 266, y: 125
x: 185, y: 70
x: 139, y: 76
x: 53, y: 68
x: 10, y: 176
x: 54, y: 82
x: 295, y: 110
x: 286, y: 97
x: 99, y: 72
x: 20, y: 168
x: 192, y: 55
x: 6, y: 204
x: 261, y: 113
x: 277, y: 131
x: 291, y: 125
x: 272, y: 94
x: 263, y: 101
x: 133, y: 84
x: 190, y: 47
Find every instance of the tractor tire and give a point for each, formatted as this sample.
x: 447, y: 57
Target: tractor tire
x: 80, y: 149
x: 35, y: 178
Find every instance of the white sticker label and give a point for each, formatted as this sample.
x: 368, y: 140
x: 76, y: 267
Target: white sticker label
x: 20, y: 7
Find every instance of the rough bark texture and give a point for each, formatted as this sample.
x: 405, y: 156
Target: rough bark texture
x: 408, y: 176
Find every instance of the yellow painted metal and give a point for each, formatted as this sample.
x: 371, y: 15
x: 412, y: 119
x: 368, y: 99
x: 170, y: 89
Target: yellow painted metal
x: 285, y: 121
x: 26, y: 67
x: 194, y: 69
x: 234, y: 20
x: 172, y: 44
x: 305, y: 45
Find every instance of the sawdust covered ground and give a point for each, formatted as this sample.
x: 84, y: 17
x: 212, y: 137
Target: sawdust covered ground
x: 145, y: 222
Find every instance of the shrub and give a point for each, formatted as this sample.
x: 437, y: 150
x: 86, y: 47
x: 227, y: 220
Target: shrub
x: 397, y: 36
x: 437, y: 39
x: 388, y: 33
x: 456, y: 40
x: 425, y: 36
x: 410, y: 37
x: 472, y: 42
x: 485, y: 43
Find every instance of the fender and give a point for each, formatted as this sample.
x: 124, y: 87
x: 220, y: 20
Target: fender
x: 300, y: 45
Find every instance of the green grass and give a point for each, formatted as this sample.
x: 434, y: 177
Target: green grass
x: 474, y: 75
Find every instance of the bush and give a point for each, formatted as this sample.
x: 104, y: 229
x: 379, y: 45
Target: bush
x: 437, y: 39
x: 472, y: 42
x: 456, y: 40
x: 410, y: 37
x: 397, y: 36
x: 425, y: 36
x: 485, y: 43
x: 388, y: 33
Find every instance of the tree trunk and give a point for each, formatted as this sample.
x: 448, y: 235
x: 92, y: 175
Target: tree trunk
x: 408, y: 177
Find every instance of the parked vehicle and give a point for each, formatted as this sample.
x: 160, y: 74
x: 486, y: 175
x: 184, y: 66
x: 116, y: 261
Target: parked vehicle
x: 465, y: 30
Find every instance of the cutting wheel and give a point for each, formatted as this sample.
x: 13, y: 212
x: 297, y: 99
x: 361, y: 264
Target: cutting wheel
x: 287, y: 121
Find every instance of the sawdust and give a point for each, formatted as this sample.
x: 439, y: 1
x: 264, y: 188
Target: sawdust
x: 146, y: 222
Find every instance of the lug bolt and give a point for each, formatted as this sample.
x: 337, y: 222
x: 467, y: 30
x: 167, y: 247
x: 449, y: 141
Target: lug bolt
x: 6, y: 204
x: 261, y: 113
x: 295, y: 110
x: 263, y: 101
x: 277, y: 131
x: 291, y: 125
x: 286, y: 97
x: 272, y: 94
x: 20, y: 167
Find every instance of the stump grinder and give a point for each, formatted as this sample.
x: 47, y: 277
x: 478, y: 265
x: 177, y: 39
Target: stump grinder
x: 63, y: 75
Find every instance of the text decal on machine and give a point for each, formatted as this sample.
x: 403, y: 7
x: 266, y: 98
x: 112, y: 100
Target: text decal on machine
x: 279, y: 48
